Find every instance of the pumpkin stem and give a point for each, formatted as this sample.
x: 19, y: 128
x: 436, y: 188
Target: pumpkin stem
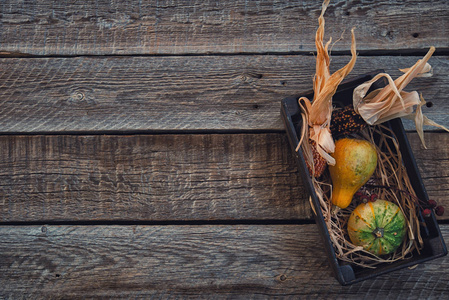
x: 378, y: 232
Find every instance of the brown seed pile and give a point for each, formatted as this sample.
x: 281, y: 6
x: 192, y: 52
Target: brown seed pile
x: 346, y: 121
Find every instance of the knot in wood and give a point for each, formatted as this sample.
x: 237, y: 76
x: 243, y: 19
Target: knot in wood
x: 79, y: 96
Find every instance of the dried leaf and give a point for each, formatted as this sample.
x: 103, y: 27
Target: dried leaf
x: 392, y: 101
x: 421, y: 120
x: 381, y: 105
x: 319, y: 112
x: 426, y: 72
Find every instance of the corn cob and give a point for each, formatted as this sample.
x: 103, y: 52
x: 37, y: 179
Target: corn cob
x: 319, y: 163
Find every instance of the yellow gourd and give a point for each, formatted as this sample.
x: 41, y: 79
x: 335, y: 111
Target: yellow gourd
x: 356, y: 161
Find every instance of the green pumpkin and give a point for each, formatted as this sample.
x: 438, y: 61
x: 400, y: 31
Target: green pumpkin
x: 379, y: 227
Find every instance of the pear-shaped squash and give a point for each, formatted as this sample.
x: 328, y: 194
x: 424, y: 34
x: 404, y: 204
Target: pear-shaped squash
x: 379, y: 227
x: 355, y: 162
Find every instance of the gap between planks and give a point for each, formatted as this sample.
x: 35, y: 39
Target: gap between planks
x: 442, y: 51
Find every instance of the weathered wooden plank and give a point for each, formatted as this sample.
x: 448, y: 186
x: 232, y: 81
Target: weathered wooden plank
x: 433, y: 164
x: 175, y: 93
x: 153, y: 178
x: 169, y: 177
x: 191, y: 261
x: 177, y: 27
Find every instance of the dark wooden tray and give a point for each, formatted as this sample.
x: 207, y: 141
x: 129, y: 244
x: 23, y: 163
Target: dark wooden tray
x: 347, y: 273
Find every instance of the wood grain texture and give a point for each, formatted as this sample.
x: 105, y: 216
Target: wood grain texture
x: 101, y: 27
x: 169, y: 177
x: 143, y: 156
x: 176, y: 93
x: 433, y: 165
x: 192, y: 262
x: 149, y: 178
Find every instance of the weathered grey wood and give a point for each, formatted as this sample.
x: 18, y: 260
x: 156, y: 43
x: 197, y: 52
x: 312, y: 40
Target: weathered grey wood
x: 153, y: 178
x: 175, y: 93
x: 177, y: 27
x: 241, y: 261
x: 210, y: 145
x: 169, y: 177
x: 433, y: 164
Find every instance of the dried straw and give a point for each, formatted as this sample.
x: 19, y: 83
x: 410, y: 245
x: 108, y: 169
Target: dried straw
x: 390, y: 182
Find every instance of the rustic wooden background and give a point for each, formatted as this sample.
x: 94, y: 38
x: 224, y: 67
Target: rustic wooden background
x: 142, y: 151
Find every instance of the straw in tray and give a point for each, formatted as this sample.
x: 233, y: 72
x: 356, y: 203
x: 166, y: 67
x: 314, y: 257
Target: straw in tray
x: 390, y: 181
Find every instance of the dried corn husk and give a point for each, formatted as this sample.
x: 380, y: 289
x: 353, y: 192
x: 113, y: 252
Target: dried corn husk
x: 392, y: 101
x: 319, y: 111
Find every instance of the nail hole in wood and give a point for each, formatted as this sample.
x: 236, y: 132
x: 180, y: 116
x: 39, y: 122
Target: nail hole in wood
x: 429, y: 104
x: 415, y: 35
